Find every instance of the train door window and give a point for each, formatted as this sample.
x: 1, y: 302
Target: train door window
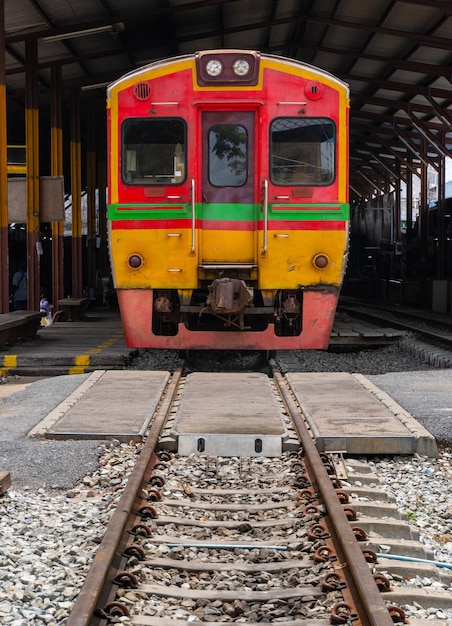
x: 228, y: 155
x: 154, y: 151
x: 302, y: 151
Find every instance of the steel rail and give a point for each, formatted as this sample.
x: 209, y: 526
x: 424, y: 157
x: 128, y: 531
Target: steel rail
x: 370, y: 597
x: 378, y: 315
x: 87, y: 600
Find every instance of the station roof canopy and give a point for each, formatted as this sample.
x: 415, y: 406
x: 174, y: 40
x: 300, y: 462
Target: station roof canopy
x: 396, y: 56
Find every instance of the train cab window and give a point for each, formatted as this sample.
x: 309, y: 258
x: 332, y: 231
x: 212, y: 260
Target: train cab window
x: 228, y: 155
x: 302, y: 151
x: 154, y: 151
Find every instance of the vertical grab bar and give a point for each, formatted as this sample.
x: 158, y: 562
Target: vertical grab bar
x: 193, y: 215
x: 265, y: 210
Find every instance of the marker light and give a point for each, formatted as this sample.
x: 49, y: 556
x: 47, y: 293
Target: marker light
x: 320, y: 261
x: 135, y: 261
x: 214, y: 67
x: 241, y: 67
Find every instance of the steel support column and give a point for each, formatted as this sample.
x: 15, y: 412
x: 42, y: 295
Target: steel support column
x: 56, y: 169
x: 4, y: 275
x: 398, y: 204
x: 102, y: 186
x: 91, y: 198
x: 409, y: 202
x: 423, y: 220
x: 32, y: 143
x: 441, y: 233
x: 76, y: 192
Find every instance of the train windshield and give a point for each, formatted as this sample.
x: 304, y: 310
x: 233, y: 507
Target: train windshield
x: 153, y: 151
x: 302, y: 151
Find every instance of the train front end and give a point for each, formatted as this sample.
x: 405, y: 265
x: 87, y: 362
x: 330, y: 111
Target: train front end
x: 228, y: 202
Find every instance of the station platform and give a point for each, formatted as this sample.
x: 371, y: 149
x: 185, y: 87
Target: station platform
x: 69, y: 347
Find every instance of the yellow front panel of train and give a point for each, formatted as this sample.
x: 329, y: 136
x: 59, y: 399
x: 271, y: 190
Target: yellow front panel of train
x: 289, y: 261
x: 228, y: 246
x: 167, y: 258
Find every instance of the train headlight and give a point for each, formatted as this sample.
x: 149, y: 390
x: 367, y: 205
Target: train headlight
x: 320, y: 261
x: 241, y: 67
x: 214, y: 67
x: 135, y: 261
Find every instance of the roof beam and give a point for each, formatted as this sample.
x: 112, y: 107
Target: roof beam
x: 397, y: 154
x: 414, y: 148
x: 396, y: 63
x: 430, y: 137
x: 435, y: 4
x: 392, y: 85
x: 382, y: 118
x: 407, y: 106
x: 426, y: 40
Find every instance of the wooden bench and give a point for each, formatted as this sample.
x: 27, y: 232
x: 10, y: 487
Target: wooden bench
x: 18, y: 324
x: 73, y: 308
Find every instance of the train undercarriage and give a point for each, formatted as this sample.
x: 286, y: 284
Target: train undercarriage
x: 228, y: 304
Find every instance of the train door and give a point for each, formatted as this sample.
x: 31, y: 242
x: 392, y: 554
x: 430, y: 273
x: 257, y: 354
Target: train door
x: 228, y: 188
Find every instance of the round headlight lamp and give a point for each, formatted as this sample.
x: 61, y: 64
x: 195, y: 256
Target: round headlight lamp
x: 214, y: 67
x: 241, y: 67
x: 320, y: 261
x: 135, y: 261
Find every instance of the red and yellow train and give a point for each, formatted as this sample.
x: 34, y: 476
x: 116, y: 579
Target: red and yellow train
x: 228, y: 209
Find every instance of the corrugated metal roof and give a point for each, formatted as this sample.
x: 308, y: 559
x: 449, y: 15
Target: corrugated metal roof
x: 395, y: 54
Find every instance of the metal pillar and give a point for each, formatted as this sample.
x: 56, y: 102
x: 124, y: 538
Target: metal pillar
x: 91, y: 198
x: 104, y: 262
x: 56, y: 169
x: 4, y: 275
x: 32, y: 142
x: 76, y: 192
x: 423, y: 220
x: 409, y: 202
x: 441, y: 234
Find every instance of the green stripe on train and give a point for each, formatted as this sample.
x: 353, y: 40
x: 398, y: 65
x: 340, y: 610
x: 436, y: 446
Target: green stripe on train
x: 233, y: 212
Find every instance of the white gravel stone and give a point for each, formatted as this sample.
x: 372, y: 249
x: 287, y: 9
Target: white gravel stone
x: 49, y: 536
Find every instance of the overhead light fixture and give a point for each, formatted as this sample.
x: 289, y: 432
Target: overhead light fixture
x: 114, y: 29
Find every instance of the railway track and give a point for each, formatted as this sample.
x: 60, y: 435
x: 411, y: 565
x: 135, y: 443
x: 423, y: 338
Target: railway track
x: 431, y: 334
x: 189, y: 541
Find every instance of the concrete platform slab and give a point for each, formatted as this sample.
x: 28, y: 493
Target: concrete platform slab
x: 210, y: 420
x: 347, y: 413
x: 107, y: 405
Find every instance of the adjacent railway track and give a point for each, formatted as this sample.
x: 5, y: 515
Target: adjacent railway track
x: 188, y: 542
x: 436, y: 329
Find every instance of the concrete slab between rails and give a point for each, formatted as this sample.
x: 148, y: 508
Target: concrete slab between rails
x: 232, y: 414
x: 347, y: 413
x: 109, y: 404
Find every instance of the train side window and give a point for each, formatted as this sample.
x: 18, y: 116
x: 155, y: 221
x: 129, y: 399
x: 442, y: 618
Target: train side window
x: 228, y: 155
x: 154, y: 151
x: 302, y: 151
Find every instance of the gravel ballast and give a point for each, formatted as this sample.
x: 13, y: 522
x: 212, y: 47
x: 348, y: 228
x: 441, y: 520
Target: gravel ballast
x: 63, y: 492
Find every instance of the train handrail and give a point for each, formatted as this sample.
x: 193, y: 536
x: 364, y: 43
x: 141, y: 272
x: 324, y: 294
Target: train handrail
x: 193, y: 215
x: 265, y: 210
